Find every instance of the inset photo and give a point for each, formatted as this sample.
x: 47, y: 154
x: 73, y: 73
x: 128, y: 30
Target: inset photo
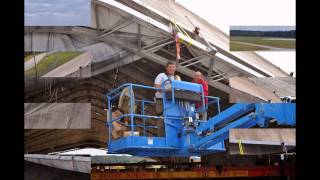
x: 262, y: 89
x: 262, y: 38
x: 57, y: 64
x: 57, y: 13
x: 57, y: 115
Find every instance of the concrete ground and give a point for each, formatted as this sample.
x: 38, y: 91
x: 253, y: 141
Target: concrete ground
x: 72, y: 66
x: 30, y: 63
x: 270, y: 48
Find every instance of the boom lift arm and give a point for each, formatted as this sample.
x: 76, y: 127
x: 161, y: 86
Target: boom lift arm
x: 185, y: 133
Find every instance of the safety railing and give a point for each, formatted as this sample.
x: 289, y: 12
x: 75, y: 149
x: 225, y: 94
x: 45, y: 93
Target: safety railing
x: 116, y: 93
x: 213, y: 100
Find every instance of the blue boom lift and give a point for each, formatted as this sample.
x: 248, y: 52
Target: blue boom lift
x: 185, y: 133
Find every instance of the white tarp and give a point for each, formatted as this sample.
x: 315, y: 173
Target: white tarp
x: 71, y: 163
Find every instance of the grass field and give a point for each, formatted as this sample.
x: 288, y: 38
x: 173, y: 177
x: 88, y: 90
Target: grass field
x: 51, y: 62
x: 29, y: 55
x: 266, y: 41
x: 234, y: 46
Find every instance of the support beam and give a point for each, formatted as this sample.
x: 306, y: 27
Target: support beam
x: 139, y: 37
x: 219, y: 79
x: 141, y: 18
x: 120, y: 62
x: 136, y: 16
x: 187, y: 61
x: 123, y: 25
x: 196, y: 62
x: 128, y: 58
x: 97, y: 18
x: 158, y: 47
x: 218, y: 75
x: 210, y: 68
x: 158, y: 42
x: 118, y: 23
x: 162, y: 61
x: 197, y: 66
x: 151, y: 56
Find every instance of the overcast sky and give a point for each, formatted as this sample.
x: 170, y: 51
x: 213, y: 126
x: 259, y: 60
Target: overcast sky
x: 226, y: 13
x: 57, y: 12
x: 220, y: 13
x: 263, y: 28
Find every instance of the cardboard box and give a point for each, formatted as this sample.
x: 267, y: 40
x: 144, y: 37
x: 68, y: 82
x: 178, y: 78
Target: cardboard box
x: 128, y: 133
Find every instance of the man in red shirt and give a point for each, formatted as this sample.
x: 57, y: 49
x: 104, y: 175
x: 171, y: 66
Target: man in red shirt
x: 198, y: 78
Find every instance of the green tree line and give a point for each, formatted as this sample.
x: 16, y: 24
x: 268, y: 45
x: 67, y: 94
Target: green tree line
x: 283, y: 34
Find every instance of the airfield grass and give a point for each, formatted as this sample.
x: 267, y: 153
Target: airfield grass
x: 51, y: 62
x: 234, y: 46
x: 29, y: 55
x: 290, y: 44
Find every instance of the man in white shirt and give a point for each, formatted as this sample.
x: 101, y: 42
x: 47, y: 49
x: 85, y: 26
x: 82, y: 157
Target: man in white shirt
x: 170, y: 73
